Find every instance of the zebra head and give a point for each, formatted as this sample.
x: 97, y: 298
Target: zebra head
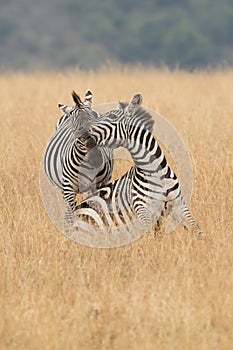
x: 78, y: 103
x: 115, y: 128
x: 79, y: 114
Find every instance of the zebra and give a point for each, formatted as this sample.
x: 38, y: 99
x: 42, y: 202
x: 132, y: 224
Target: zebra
x: 148, y: 190
x: 67, y: 162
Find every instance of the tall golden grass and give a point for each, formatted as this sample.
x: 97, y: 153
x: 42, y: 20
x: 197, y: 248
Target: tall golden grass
x: 164, y: 292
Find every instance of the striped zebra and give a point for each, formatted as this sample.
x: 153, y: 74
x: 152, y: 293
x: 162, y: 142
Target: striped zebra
x: 147, y: 191
x: 68, y: 163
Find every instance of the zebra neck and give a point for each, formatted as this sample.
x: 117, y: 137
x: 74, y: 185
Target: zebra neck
x: 146, y: 153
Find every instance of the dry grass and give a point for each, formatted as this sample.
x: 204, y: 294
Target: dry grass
x: 168, y: 292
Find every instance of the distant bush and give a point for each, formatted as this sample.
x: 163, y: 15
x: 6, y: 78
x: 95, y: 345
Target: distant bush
x: 187, y: 33
x: 6, y: 28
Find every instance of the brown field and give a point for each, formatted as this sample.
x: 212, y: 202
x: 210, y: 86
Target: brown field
x: 164, y: 292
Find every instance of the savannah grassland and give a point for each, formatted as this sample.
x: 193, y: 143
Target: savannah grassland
x: 161, y: 292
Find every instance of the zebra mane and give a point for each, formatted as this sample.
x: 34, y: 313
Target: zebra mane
x: 140, y: 115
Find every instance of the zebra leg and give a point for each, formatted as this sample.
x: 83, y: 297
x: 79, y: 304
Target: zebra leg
x: 149, y: 214
x: 161, y: 219
x: 69, y: 195
x: 181, y: 214
x: 191, y: 223
x: 68, y: 217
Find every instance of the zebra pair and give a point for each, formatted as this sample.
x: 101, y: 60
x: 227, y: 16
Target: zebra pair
x: 68, y: 163
x: 147, y: 191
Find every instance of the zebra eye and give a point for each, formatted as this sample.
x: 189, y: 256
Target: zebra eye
x: 113, y: 116
x: 95, y: 114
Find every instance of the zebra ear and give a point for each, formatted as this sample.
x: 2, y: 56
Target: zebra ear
x: 77, y: 99
x: 136, y: 100
x: 65, y: 109
x: 88, y: 98
x: 134, y: 103
x: 120, y: 105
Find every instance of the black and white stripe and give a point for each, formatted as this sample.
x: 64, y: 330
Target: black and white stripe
x: 68, y: 163
x: 148, y: 190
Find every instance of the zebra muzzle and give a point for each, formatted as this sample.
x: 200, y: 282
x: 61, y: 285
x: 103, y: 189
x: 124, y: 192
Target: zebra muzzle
x: 88, y: 140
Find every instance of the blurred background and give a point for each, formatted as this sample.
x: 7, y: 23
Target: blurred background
x: 55, y: 34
